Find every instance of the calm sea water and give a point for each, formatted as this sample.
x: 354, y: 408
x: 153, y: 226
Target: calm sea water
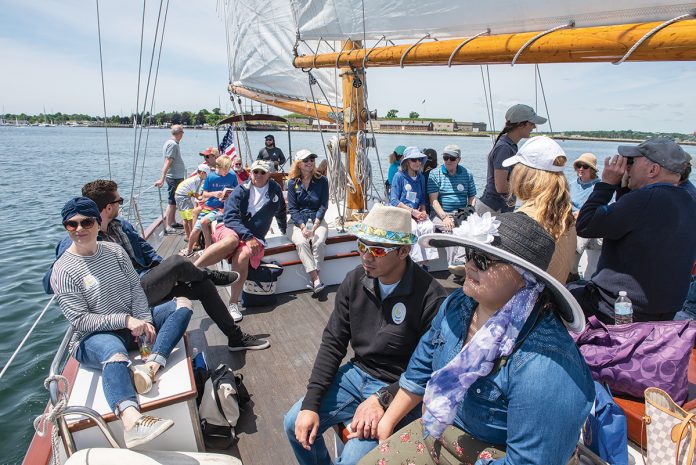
x: 46, y: 166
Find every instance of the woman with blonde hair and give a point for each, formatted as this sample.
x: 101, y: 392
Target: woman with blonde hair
x: 308, y: 200
x: 537, y: 180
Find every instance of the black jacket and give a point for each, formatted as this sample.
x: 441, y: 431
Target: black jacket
x: 382, y: 347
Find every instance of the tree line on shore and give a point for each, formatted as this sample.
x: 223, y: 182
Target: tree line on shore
x: 187, y: 118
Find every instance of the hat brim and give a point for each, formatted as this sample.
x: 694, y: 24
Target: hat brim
x: 454, y: 154
x: 536, y: 119
x: 311, y: 155
x: 569, y: 310
x: 630, y: 151
x: 513, y: 160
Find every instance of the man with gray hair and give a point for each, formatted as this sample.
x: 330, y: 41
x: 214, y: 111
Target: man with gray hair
x: 173, y: 171
x: 649, y: 242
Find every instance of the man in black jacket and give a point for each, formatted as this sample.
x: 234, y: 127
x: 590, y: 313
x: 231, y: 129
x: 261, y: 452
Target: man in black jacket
x: 382, y: 309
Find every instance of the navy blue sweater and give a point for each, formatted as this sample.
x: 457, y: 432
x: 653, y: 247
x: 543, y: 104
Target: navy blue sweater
x: 306, y: 205
x: 649, y: 246
x: 237, y: 217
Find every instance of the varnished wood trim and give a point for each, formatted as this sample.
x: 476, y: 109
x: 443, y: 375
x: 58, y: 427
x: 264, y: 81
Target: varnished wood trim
x: 330, y: 257
x: 290, y: 247
x: 153, y: 227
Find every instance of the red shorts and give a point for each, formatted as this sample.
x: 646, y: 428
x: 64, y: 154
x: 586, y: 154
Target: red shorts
x: 222, y: 231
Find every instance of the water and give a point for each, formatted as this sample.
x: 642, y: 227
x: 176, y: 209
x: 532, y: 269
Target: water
x: 46, y: 166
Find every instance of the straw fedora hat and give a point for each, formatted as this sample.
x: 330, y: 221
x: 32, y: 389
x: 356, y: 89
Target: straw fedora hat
x: 518, y: 240
x: 588, y: 159
x: 386, y: 225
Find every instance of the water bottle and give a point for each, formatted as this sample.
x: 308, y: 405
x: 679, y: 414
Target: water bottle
x: 623, y: 310
x: 144, y: 346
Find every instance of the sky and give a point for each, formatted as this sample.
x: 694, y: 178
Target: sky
x: 49, y: 51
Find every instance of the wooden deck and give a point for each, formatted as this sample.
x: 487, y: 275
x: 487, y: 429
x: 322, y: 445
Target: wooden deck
x: 276, y: 377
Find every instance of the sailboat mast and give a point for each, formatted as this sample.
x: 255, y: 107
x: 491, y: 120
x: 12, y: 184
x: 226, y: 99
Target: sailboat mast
x: 353, y: 108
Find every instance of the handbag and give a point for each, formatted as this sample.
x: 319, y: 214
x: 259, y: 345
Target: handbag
x: 260, y: 285
x: 605, y: 431
x: 671, y: 431
x: 223, y: 396
x: 633, y: 357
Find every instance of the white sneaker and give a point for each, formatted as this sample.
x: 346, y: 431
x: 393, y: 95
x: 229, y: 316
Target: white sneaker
x: 146, y: 429
x: 235, y: 312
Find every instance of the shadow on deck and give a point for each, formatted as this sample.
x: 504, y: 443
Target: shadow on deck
x: 276, y: 377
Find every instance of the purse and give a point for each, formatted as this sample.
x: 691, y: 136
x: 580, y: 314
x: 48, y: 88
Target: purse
x: 671, y: 431
x: 605, y: 431
x: 260, y: 285
x: 633, y: 357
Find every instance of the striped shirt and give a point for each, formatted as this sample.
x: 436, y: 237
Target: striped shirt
x: 455, y: 191
x: 98, y: 292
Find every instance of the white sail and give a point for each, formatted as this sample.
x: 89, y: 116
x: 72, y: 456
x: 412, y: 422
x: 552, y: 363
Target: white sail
x: 261, y: 36
x: 408, y: 19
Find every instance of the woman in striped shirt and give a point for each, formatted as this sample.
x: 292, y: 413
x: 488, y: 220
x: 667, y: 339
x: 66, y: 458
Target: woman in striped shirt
x: 100, y: 294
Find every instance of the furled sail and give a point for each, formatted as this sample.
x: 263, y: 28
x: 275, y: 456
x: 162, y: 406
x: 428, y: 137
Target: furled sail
x: 261, y: 35
x: 406, y: 19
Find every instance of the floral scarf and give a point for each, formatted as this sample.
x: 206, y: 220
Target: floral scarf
x: 448, y: 386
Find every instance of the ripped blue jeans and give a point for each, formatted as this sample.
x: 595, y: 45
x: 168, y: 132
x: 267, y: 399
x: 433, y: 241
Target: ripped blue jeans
x: 99, y: 349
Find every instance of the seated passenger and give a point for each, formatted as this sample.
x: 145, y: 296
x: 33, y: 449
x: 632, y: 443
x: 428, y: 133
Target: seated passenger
x: 186, y: 192
x: 408, y: 191
x: 394, y: 164
x: 238, y: 168
x: 381, y: 309
x: 586, y: 169
x: 100, y: 295
x: 215, y: 194
x: 500, y: 378
x: 210, y: 156
x: 308, y: 200
x: 649, y: 243
x: 248, y: 214
x: 538, y: 181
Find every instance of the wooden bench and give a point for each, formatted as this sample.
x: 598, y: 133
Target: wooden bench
x: 635, y: 408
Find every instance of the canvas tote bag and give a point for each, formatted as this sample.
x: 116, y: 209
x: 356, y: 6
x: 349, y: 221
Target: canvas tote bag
x: 671, y: 431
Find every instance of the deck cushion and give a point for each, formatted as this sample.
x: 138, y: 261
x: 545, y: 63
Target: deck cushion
x: 125, y: 456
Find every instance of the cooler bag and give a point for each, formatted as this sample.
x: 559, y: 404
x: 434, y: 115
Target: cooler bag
x: 260, y: 285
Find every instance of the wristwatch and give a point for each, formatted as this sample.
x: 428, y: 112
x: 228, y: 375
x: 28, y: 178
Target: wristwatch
x: 384, y: 397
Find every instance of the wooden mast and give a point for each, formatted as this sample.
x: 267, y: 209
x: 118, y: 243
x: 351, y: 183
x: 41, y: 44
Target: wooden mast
x: 353, y: 118
x: 301, y: 107
x: 677, y: 42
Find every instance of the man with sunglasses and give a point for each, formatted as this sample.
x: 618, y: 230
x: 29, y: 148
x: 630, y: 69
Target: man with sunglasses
x: 247, y: 218
x: 210, y: 156
x: 382, y: 308
x: 649, y: 243
x: 162, y: 279
x: 272, y: 154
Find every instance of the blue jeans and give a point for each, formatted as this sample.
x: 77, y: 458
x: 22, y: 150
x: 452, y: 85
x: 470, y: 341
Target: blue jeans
x: 98, y: 348
x: 688, y: 312
x: 350, y: 388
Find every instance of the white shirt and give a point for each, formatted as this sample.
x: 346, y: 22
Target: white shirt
x: 257, y: 198
x: 386, y: 289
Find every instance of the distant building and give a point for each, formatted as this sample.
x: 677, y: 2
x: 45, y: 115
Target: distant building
x: 299, y: 119
x: 405, y: 125
x: 326, y: 125
x: 443, y: 126
x: 468, y: 126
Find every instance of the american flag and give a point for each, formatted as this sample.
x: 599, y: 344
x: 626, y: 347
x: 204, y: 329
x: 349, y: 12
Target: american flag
x: 227, y: 144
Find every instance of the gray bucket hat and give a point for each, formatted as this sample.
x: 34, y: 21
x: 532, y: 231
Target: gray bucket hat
x: 519, y: 241
x: 665, y: 152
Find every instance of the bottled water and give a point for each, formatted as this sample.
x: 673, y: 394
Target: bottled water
x: 623, y: 310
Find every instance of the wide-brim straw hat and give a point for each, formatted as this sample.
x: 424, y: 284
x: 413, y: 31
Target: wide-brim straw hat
x: 588, y: 159
x: 385, y: 225
x: 518, y: 240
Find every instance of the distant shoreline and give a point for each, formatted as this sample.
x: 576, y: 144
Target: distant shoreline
x: 408, y: 133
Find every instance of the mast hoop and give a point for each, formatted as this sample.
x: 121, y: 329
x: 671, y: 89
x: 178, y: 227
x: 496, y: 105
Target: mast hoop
x: 345, y: 42
x: 401, y: 61
x: 367, y: 55
x: 464, y: 42
x: 570, y: 24
x: 652, y: 32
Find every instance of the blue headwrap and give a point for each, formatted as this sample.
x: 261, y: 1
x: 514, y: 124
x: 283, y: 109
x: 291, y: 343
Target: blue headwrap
x: 80, y: 206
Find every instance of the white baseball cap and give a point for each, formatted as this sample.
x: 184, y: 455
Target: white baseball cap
x: 538, y: 152
x: 204, y: 168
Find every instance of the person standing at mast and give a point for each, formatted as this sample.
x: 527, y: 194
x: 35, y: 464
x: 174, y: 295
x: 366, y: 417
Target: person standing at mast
x: 272, y: 154
x: 173, y: 171
x: 520, y: 121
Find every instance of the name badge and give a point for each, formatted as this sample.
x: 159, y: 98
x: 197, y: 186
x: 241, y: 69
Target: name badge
x: 90, y: 282
x: 460, y: 187
x: 411, y: 196
x: 275, y: 198
x: 398, y: 313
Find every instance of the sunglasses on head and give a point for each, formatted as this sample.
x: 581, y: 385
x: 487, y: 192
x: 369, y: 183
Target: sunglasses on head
x: 375, y: 250
x: 481, y: 260
x: 583, y: 166
x: 87, y: 223
x: 118, y: 201
x: 449, y: 158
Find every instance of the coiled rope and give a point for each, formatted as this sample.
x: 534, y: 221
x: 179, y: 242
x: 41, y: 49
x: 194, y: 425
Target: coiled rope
x: 52, y: 415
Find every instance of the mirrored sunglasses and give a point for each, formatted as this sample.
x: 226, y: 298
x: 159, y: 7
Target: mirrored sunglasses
x: 87, y: 223
x: 481, y: 260
x: 374, y: 250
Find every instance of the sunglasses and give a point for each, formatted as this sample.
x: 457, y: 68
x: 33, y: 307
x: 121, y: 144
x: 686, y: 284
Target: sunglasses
x: 309, y: 160
x: 118, y: 201
x: 449, y: 158
x: 582, y: 166
x: 87, y: 223
x: 376, y: 251
x: 481, y: 261
x: 418, y: 160
x: 259, y: 172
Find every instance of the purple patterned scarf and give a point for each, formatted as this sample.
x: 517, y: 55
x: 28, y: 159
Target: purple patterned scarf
x: 496, y: 338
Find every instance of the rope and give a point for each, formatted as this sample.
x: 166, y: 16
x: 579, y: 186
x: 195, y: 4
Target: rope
x: 101, y: 66
x: 137, y: 103
x: 539, y: 36
x: 52, y: 416
x: 543, y: 96
x: 26, y: 337
x: 651, y: 33
x: 489, y: 99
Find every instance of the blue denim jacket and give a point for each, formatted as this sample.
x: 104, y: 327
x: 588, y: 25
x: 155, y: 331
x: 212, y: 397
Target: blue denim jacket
x: 535, y: 405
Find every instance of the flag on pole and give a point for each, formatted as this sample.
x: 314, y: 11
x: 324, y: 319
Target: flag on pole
x: 227, y: 145
x: 423, y: 101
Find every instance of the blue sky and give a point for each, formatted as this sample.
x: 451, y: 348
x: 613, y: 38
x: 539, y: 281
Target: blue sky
x: 49, y: 55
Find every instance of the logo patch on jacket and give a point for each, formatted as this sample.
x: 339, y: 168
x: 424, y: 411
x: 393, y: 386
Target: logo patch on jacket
x: 398, y: 313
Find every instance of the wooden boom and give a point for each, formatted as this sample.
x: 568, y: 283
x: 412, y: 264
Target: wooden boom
x: 287, y: 103
x: 676, y: 42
